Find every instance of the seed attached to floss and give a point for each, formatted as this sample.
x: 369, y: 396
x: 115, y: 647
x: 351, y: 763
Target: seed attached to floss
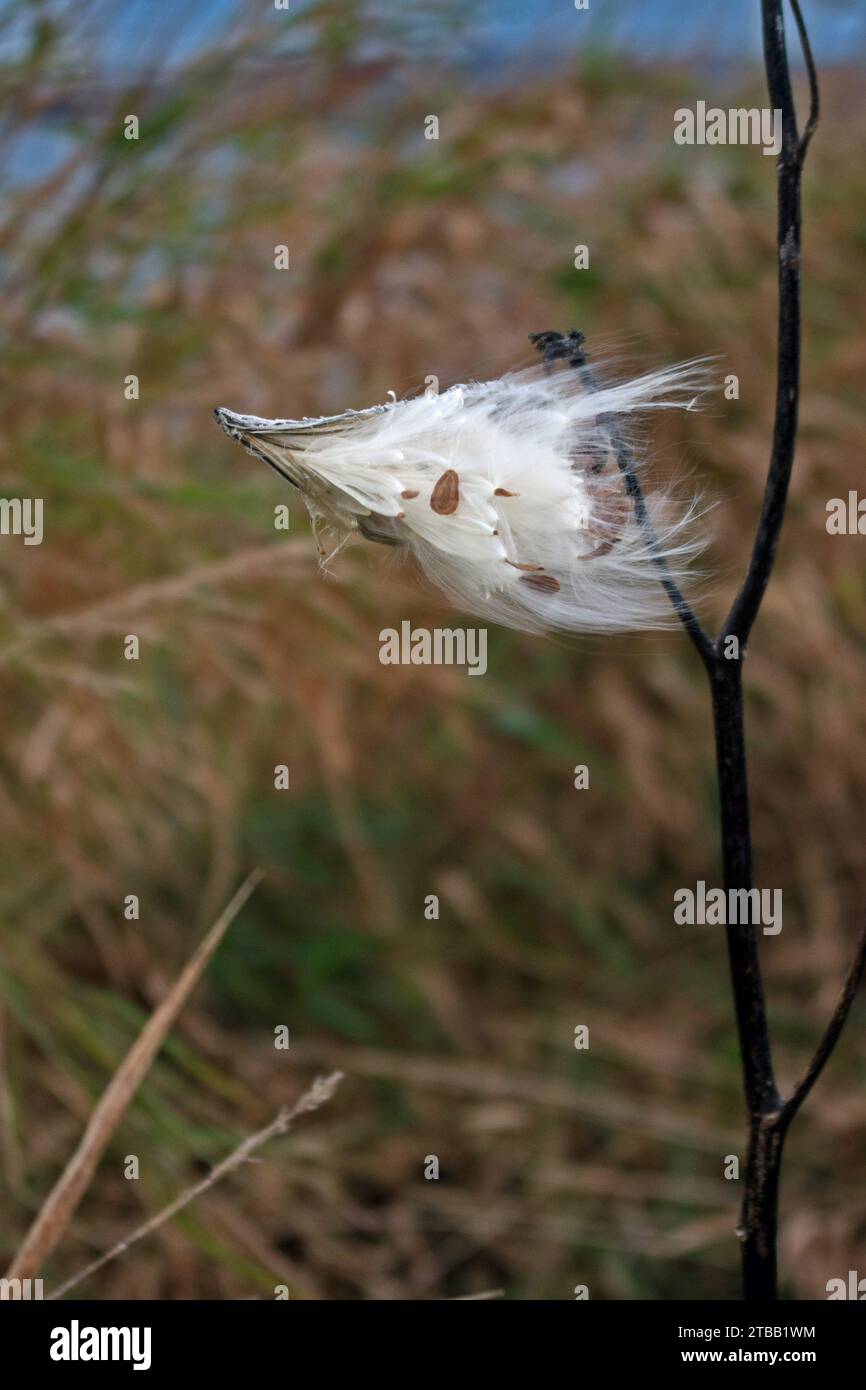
x: 551, y: 438
x: 445, y: 497
x: 544, y: 583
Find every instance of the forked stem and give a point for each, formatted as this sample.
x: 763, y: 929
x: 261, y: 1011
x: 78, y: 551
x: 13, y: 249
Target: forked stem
x: 768, y: 1114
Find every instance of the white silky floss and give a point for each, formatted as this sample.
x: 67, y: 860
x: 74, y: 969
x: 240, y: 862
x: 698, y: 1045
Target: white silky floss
x: 508, y: 493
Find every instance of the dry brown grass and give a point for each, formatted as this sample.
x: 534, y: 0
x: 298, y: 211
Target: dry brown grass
x: 156, y: 778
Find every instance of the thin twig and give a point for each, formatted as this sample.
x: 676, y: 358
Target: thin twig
x: 569, y: 347
x: 769, y: 1115
x: 831, y: 1033
x: 814, y: 97
x: 60, y: 1204
x: 319, y: 1093
x: 768, y: 1124
x: 107, y: 612
x: 745, y: 607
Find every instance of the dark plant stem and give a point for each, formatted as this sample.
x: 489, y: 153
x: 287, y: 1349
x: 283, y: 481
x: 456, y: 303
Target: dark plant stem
x: 769, y: 1115
x: 758, y: 1217
x: 727, y: 698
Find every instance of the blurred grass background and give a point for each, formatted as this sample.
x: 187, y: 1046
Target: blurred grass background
x: 408, y: 258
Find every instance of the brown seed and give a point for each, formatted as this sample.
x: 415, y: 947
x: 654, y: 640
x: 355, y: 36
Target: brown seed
x: 599, y: 550
x: 611, y: 510
x: 445, y: 497
x: 408, y: 493
x: 545, y: 583
x: 516, y: 565
x: 503, y: 492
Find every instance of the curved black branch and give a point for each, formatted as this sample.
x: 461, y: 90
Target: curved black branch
x: 831, y: 1034
x: 745, y: 607
x: 814, y: 98
x: 569, y: 347
x: 759, y: 1220
x: 769, y: 1115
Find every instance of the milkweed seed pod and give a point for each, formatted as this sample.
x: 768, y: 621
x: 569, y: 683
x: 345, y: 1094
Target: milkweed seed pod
x: 508, y: 493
